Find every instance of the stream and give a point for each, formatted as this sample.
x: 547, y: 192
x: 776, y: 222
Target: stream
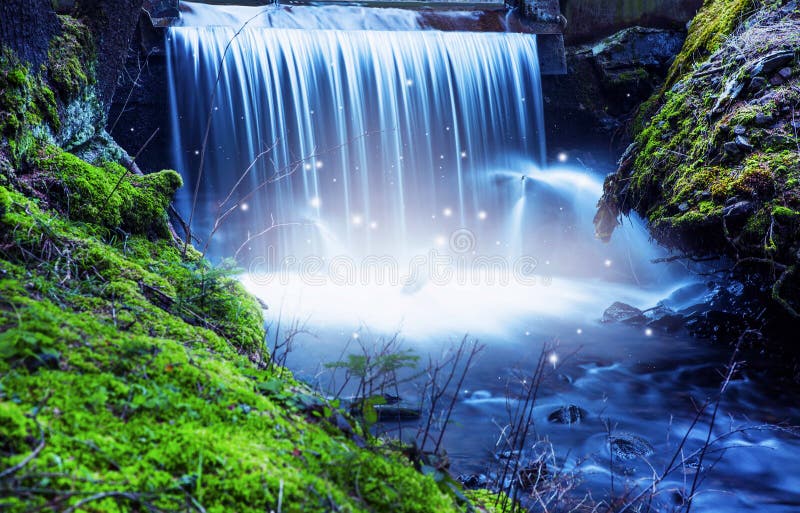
x: 377, y: 179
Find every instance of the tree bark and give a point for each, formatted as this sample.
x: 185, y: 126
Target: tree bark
x: 26, y: 27
x: 112, y: 23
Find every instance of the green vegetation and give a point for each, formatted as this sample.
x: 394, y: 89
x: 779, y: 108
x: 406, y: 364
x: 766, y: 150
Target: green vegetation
x: 133, y: 373
x: 710, y: 27
x: 71, y: 58
x: 716, y: 162
x: 135, y: 396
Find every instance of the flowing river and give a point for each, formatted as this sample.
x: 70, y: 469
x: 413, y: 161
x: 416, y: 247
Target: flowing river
x: 375, y: 179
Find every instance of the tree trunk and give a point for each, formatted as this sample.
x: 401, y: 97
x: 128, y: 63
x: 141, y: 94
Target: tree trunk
x: 112, y: 23
x: 26, y: 27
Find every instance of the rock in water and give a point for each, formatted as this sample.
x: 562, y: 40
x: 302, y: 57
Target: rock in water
x: 473, y: 481
x: 570, y: 414
x: 622, y: 312
x: 627, y: 446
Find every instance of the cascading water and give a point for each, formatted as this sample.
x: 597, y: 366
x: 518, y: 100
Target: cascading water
x: 378, y: 131
x: 335, y: 137
x: 368, y: 142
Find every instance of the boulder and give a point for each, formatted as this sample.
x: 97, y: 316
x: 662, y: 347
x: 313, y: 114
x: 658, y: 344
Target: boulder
x: 473, y: 481
x: 569, y: 414
x: 627, y: 446
x: 606, y: 81
x: 664, y: 318
x: 623, y: 312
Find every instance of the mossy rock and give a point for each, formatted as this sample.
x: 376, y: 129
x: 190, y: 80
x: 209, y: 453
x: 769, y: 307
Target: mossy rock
x: 714, y: 22
x: 715, y: 167
x: 109, y: 196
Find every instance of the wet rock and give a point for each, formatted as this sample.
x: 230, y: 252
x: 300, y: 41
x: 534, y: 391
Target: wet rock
x: 772, y: 62
x: 739, y: 130
x: 473, y: 481
x: 744, y: 143
x: 342, y: 423
x: 42, y: 360
x: 664, y: 318
x: 607, y: 80
x: 504, y: 455
x: 776, y: 80
x: 738, y: 210
x: 622, y: 312
x: 627, y: 446
x: 716, y: 324
x: 785, y: 73
x: 570, y: 414
x: 757, y: 84
x: 683, y: 207
x: 731, y: 149
x: 763, y: 119
x: 397, y: 412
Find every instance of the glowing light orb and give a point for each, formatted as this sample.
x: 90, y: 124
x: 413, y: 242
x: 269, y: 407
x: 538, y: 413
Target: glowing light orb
x: 356, y: 335
x: 319, y: 164
x: 482, y: 215
x: 409, y: 82
x: 307, y: 166
x: 440, y: 240
x: 245, y: 207
x: 447, y: 212
x: 373, y: 225
x: 315, y: 202
x: 553, y: 358
x: 463, y: 154
x: 607, y: 263
x: 579, y: 331
x: 357, y: 220
x: 648, y: 332
x: 562, y: 157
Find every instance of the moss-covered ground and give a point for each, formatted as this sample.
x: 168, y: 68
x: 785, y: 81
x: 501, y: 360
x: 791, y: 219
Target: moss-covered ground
x: 715, y: 167
x: 133, y: 373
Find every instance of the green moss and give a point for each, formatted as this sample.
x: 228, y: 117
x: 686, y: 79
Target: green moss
x: 785, y: 212
x: 715, y: 20
x: 5, y: 202
x: 109, y: 196
x: 142, y: 366
x: 71, y: 57
x: 16, y: 428
x: 25, y: 104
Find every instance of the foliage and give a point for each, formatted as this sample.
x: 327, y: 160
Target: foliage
x: 143, y: 404
x: 715, y: 20
x: 716, y: 168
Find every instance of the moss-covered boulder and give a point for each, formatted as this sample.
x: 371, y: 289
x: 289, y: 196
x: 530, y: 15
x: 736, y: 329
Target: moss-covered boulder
x: 715, y: 167
x: 109, y: 195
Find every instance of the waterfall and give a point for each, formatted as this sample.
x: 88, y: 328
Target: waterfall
x: 372, y: 140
